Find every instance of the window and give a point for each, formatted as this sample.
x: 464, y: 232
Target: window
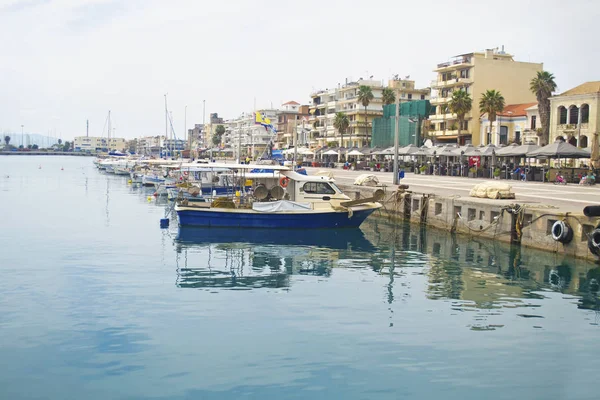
x: 442, y: 126
x: 533, y: 121
x: 562, y: 115
x: 422, y: 97
x: 585, y: 114
x: 465, y: 126
x: 318, y: 188
x: 464, y: 73
x: 410, y: 96
x: 573, y: 115
x: 517, y: 137
x: 504, y: 135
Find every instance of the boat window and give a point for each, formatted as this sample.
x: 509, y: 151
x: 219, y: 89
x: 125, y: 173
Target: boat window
x: 318, y: 188
x: 337, y: 189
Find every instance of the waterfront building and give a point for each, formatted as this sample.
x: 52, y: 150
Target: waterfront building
x: 326, y: 103
x: 405, y: 90
x: 98, y: 144
x: 245, y: 135
x: 476, y: 73
x: 172, y: 145
x: 344, y: 98
x: 575, y: 115
x: 412, y: 114
x: 291, y: 118
x: 196, y: 137
x: 150, y: 145
x: 210, y: 129
x: 510, y: 124
x: 533, y: 127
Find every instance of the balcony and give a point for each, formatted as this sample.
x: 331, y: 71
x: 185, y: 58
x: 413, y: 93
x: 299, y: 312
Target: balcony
x: 456, y: 63
x: 445, y: 133
x: 442, y: 117
x: 439, y: 100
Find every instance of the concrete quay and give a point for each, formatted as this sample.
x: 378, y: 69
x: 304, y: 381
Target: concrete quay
x: 528, y: 220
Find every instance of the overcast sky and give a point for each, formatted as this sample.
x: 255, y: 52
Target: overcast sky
x: 65, y: 61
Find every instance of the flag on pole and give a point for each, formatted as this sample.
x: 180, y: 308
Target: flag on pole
x: 261, y: 119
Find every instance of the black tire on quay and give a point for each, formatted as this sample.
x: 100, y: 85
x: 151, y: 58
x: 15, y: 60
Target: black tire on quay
x: 594, y: 241
x: 562, y: 232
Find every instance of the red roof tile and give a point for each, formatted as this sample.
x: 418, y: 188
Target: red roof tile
x: 293, y: 103
x: 515, y: 110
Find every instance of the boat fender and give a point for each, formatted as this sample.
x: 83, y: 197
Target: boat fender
x: 594, y: 241
x: 283, y: 182
x: 562, y: 232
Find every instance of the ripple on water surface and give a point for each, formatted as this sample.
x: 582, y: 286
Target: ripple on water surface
x: 97, y: 302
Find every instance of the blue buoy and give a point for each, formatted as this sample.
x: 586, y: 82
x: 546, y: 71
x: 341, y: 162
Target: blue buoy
x: 164, y: 222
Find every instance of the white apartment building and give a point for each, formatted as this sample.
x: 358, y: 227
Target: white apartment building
x: 244, y: 134
x: 150, y: 145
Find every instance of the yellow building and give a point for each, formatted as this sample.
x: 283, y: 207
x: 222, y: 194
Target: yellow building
x: 476, y: 73
x: 575, y: 115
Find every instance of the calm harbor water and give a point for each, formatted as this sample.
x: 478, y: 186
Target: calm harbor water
x: 97, y: 302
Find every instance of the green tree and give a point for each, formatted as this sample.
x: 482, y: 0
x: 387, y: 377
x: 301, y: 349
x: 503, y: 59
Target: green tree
x: 59, y: 141
x: 219, y: 132
x: 7, y: 140
x: 460, y: 104
x: 67, y: 145
x: 35, y: 147
x: 543, y: 86
x: 365, y: 95
x: 341, y: 123
x: 388, y: 96
x: 492, y: 103
x: 29, y: 146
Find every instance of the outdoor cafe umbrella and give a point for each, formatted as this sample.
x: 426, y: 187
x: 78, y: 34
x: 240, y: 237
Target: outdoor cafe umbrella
x: 508, y: 151
x: 387, y: 152
x: 559, y: 149
x: 408, y: 150
x: 355, y: 152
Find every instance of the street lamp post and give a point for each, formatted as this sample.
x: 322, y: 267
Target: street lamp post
x: 396, y: 140
x: 22, y: 126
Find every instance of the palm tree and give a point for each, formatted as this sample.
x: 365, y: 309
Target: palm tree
x: 341, y: 123
x: 460, y: 104
x: 7, y: 140
x: 492, y: 103
x: 543, y: 86
x: 365, y: 95
x: 388, y: 96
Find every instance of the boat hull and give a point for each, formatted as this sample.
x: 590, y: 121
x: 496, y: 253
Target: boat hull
x: 225, y: 218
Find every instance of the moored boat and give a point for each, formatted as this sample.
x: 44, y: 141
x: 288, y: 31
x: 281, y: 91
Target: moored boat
x: 297, y: 202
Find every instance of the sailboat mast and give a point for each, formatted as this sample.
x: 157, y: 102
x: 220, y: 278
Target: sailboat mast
x: 166, y: 119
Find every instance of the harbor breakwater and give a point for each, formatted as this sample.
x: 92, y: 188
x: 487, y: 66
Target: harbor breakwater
x: 46, y: 153
x: 512, y: 221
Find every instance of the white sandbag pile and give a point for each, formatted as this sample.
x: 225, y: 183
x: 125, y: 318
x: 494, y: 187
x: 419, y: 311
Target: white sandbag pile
x: 366, y: 180
x: 492, y: 190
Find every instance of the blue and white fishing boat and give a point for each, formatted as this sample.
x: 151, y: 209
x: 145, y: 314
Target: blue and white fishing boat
x: 296, y: 201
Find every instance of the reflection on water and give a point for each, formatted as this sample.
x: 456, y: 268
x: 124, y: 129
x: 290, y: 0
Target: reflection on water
x: 259, y: 258
x: 476, y: 274
x: 482, y: 275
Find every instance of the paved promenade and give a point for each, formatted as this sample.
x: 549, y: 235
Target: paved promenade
x: 571, y: 198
